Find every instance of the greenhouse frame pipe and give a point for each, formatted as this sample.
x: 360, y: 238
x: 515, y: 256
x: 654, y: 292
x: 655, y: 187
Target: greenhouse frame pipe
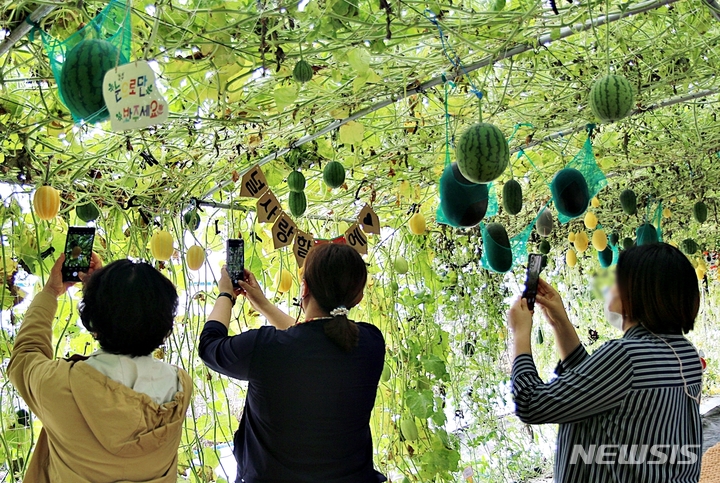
x: 652, y: 107
x: 544, y: 39
x: 26, y: 26
x: 238, y: 207
x: 714, y: 8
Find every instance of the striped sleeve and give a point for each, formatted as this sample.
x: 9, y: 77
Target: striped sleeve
x: 571, y: 361
x: 595, y: 385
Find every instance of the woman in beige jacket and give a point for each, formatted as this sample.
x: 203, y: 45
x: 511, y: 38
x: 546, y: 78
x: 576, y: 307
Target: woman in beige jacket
x: 117, y: 415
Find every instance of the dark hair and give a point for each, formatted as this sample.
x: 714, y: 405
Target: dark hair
x: 130, y: 306
x: 335, y: 275
x: 658, y: 288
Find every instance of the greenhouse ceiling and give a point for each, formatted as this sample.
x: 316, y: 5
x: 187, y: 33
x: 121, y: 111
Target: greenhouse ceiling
x: 385, y: 73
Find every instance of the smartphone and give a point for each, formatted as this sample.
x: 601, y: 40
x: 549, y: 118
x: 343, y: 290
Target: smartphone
x: 78, y: 251
x: 236, y: 260
x: 533, y: 276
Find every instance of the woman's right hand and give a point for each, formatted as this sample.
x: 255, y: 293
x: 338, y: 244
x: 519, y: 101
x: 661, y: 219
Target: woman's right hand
x: 253, y: 292
x: 551, y: 305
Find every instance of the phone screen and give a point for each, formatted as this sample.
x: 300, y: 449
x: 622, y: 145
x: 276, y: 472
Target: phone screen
x: 236, y: 260
x: 78, y: 251
x: 531, y: 281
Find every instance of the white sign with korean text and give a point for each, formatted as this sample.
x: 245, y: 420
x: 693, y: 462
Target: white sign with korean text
x: 132, y: 98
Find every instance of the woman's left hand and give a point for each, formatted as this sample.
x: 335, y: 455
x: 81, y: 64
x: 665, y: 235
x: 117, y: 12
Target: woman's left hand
x: 520, y: 317
x: 55, y: 285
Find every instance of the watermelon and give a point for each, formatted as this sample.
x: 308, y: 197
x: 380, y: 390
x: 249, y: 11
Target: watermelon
x: 463, y: 203
x: 628, y: 243
x: 700, y: 212
x: 297, y: 203
x: 570, y: 192
x: 611, y: 98
x: 303, y: 71
x: 540, y: 339
x: 544, y: 223
x: 87, y: 212
x: 614, y: 238
x: 296, y: 181
x: 628, y: 201
x: 469, y: 349
x: 192, y: 219
x: 544, y: 247
x: 605, y: 257
x: 646, y: 234
x: 512, y: 197
x: 689, y: 246
x: 334, y: 174
x: 482, y: 153
x: 497, y: 247
x: 82, y: 76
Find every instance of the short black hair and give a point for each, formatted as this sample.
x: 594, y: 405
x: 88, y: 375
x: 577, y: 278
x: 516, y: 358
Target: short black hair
x: 658, y: 288
x: 130, y: 306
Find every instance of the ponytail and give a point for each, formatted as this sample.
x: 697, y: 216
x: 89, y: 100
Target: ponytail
x: 343, y: 331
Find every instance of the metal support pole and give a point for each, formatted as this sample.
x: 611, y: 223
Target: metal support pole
x: 25, y: 27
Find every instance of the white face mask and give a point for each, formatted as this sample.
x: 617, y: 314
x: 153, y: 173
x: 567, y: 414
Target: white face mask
x: 613, y: 318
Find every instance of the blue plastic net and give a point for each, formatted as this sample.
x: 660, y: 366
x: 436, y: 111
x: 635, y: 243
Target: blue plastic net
x: 518, y: 246
x: 112, y: 24
x: 585, y: 162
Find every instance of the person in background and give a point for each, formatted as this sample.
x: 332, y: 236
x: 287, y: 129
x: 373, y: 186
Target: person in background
x: 312, y: 385
x: 117, y: 415
x: 631, y: 394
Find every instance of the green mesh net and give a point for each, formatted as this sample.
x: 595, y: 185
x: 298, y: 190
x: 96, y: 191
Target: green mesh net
x: 651, y: 230
x: 516, y: 254
x: 584, y: 161
x: 112, y: 24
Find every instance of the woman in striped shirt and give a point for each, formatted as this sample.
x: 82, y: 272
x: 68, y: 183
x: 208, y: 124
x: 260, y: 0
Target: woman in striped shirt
x: 630, y: 411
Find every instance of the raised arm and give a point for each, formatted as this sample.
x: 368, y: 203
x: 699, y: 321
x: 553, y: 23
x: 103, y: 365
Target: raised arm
x: 597, y: 384
x: 254, y: 294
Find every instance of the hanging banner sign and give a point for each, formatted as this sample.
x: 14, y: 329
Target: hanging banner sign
x: 268, y: 208
x: 253, y: 183
x: 283, y: 231
x: 369, y: 220
x: 303, y: 244
x: 132, y: 98
x: 356, y: 239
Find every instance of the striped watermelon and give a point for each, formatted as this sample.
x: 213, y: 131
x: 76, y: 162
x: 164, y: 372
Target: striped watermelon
x: 82, y: 75
x: 482, y: 153
x: 611, y: 98
x: 512, y: 197
x: 302, y: 72
x: 334, y: 174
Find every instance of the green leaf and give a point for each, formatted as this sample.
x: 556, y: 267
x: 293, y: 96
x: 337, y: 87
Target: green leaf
x: 359, y: 59
x: 420, y: 403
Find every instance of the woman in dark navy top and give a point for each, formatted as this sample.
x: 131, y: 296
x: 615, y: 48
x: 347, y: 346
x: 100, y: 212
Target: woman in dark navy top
x: 312, y: 385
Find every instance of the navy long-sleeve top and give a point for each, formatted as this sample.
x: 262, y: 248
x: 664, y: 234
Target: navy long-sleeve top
x: 614, y: 405
x: 307, y: 412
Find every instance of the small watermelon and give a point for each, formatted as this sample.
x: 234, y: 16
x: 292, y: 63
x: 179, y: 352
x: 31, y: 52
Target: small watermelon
x: 646, y: 234
x: 689, y: 246
x: 303, y: 71
x: 544, y: 247
x: 497, y: 247
x: 192, y: 219
x: 628, y: 201
x: 605, y: 257
x: 628, y: 243
x: 482, y: 153
x: 544, y: 223
x: 297, y: 203
x: 700, y: 212
x: 87, y: 212
x: 614, y: 238
x: 296, y: 181
x: 463, y: 203
x: 82, y: 76
x: 512, y: 197
x: 540, y: 339
x: 570, y: 192
x: 334, y: 174
x: 611, y: 98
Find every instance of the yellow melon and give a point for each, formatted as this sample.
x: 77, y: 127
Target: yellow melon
x: 599, y: 240
x: 581, y: 242
x: 417, y: 224
x: 195, y: 257
x: 284, y: 281
x: 161, y: 245
x: 46, y: 202
x: 571, y: 258
x: 590, y: 220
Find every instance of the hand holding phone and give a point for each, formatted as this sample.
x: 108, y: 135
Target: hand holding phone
x: 78, y: 252
x: 531, y: 281
x: 235, y: 260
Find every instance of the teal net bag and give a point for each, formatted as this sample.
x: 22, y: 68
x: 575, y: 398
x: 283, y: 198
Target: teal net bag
x: 501, y: 253
x: 462, y: 203
x: 651, y: 230
x: 574, y: 186
x: 79, y: 63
